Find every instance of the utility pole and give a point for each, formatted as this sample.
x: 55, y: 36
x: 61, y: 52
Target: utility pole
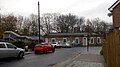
x: 0, y: 16
x: 88, y: 30
x: 39, y: 20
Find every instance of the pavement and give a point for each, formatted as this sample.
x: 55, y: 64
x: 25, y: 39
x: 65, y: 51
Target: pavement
x: 91, y: 58
x: 29, y: 52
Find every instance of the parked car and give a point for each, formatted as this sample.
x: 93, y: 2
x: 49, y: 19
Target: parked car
x: 55, y: 44
x: 66, y: 44
x: 44, y: 47
x: 10, y: 50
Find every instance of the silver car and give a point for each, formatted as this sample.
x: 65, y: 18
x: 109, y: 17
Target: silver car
x: 9, y: 50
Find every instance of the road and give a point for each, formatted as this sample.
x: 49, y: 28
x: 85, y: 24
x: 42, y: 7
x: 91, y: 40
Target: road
x: 42, y: 60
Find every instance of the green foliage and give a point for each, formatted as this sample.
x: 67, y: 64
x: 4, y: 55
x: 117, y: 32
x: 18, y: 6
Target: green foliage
x: 19, y: 44
x: 2, y: 40
x: 9, y: 41
x: 1, y: 35
x: 31, y: 46
x: 9, y: 22
x: 101, y: 52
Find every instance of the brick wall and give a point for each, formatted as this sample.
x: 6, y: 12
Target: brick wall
x: 116, y: 16
x: 111, y: 45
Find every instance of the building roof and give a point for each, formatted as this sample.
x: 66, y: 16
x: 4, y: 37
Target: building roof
x: 3, y: 42
x: 11, y: 32
x: 68, y: 34
x: 114, y: 5
x: 36, y: 38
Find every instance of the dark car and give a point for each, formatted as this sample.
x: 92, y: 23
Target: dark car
x: 44, y: 48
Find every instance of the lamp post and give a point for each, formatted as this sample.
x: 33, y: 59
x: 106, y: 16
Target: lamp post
x: 88, y: 41
x: 0, y: 16
x: 89, y: 31
x: 39, y: 20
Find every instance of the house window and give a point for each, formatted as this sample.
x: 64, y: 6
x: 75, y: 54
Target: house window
x: 53, y: 40
x: 77, y: 40
x: 46, y: 40
x: 64, y: 40
x: 98, y: 40
x: 91, y: 40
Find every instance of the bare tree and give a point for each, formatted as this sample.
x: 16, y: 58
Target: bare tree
x: 1, y: 27
x: 79, y: 25
x: 97, y: 25
x: 51, y: 23
x: 34, y: 25
x: 54, y: 22
x: 19, y: 24
x: 66, y: 23
x: 26, y: 27
x: 9, y: 22
x: 88, y: 27
x: 47, y: 22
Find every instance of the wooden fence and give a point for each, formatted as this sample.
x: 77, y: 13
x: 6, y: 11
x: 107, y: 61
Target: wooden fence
x: 111, y: 48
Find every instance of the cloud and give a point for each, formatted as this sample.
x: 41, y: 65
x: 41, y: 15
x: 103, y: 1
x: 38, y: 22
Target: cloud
x: 87, y: 8
x: 100, y: 11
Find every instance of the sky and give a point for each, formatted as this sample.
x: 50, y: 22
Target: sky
x: 83, y: 8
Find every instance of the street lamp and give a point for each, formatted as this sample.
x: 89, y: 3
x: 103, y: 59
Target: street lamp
x: 0, y: 16
x: 88, y: 41
x: 89, y: 31
x: 39, y: 20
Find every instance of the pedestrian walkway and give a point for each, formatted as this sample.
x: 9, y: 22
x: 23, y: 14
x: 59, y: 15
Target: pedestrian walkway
x: 92, y: 58
x: 87, y: 60
x: 28, y: 52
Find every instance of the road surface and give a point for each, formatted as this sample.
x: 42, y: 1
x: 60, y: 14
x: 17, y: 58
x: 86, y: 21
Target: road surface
x: 42, y: 60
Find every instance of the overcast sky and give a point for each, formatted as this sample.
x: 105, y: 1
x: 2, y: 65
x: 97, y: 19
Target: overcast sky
x: 87, y: 8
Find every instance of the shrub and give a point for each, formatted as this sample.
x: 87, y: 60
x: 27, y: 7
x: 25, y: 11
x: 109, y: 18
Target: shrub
x: 2, y: 40
x: 19, y: 44
x: 101, y: 52
x: 31, y: 46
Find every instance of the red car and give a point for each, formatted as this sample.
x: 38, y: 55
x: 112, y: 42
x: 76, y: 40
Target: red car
x: 43, y: 47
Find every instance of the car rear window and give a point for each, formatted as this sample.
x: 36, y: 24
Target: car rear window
x: 2, y: 46
x: 37, y: 44
x: 48, y: 44
x: 54, y: 43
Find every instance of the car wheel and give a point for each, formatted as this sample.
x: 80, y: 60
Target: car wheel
x: 53, y: 50
x: 35, y: 52
x: 44, y: 51
x: 20, y: 55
